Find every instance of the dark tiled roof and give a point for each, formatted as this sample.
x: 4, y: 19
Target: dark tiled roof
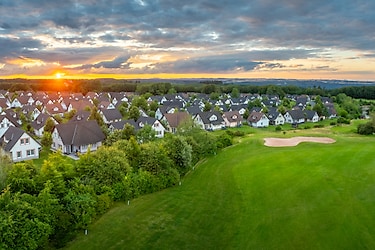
x: 111, y: 114
x: 205, y: 116
x: 80, y: 133
x: 120, y: 124
x: 10, y: 137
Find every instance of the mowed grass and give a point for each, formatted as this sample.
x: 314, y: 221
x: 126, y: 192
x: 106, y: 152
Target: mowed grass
x: 313, y: 196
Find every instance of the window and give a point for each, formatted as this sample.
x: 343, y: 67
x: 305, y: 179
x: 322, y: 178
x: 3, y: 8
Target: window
x: 25, y: 141
x: 19, y: 154
x: 30, y: 152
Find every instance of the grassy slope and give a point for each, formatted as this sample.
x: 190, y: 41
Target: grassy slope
x: 313, y: 196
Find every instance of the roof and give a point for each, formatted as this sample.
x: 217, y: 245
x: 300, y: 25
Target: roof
x: 233, y: 116
x: 175, y: 119
x: 40, y: 121
x: 205, y: 116
x: 11, y: 137
x: 111, y: 114
x: 80, y: 116
x: 296, y: 114
x: 80, y: 133
x: 255, y: 116
x: 121, y: 124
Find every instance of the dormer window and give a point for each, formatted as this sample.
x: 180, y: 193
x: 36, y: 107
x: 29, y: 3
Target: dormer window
x: 213, y: 118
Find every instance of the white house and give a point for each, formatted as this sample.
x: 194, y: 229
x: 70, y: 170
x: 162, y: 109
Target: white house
x: 210, y: 120
x: 75, y: 137
x: 5, y: 123
x: 19, y: 144
x: 258, y: 120
x: 154, y: 123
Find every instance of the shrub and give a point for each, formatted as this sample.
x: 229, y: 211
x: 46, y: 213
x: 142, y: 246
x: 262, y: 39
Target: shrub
x: 366, y: 129
x: 333, y: 123
x: 278, y: 128
x: 319, y: 126
x: 343, y: 120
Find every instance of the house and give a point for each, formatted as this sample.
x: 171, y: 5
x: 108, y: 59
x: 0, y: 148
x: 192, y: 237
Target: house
x: 258, y: 120
x: 82, y: 115
x: 19, y: 144
x: 5, y: 123
x: 162, y: 110
x: 79, y: 136
x: 209, y: 120
x: 275, y: 117
x: 174, y: 120
x: 232, y: 119
x: 154, y: 123
x: 55, y: 109
x: 39, y: 123
x: 294, y: 116
x: 311, y: 116
x: 119, y: 125
x: 110, y: 115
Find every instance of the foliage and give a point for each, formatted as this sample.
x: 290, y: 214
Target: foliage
x: 180, y: 152
x: 146, y: 134
x: 46, y: 140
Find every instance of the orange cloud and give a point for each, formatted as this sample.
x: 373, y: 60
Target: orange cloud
x: 26, y: 62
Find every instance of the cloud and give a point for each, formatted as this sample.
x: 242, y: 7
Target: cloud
x: 201, y: 35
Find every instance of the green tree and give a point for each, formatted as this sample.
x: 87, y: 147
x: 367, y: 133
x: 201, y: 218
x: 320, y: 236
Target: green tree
x: 153, y: 158
x: 24, y: 222
x: 180, y: 152
x: 94, y: 115
x: 21, y: 177
x: 46, y: 139
x: 146, y: 134
x: 235, y: 93
x: 50, y: 124
x: 104, y: 167
x: 134, y: 113
x: 5, y: 165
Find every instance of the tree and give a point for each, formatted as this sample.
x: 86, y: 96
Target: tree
x: 153, y: 158
x: 5, y: 164
x: 94, y: 115
x: 235, y: 93
x: 134, y: 113
x: 146, y: 134
x: 21, y: 177
x: 128, y: 131
x: 180, y: 152
x: 132, y: 150
x: 46, y: 139
x: 106, y: 166
x: 24, y: 222
x: 50, y: 124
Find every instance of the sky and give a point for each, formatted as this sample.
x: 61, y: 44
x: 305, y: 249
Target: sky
x: 318, y: 39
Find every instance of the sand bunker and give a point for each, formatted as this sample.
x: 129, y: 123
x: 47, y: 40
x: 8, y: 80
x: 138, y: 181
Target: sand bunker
x: 290, y: 142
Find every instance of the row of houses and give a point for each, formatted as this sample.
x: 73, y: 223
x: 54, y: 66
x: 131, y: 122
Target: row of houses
x: 80, y: 134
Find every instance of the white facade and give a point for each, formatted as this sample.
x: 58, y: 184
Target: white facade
x: 26, y: 148
x: 4, y: 125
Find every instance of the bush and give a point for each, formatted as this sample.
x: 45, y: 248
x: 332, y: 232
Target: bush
x: 366, y: 129
x: 343, y: 120
x: 319, y: 126
x: 278, y: 128
x: 307, y: 127
x: 333, y: 123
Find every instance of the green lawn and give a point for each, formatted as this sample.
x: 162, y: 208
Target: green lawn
x: 313, y: 196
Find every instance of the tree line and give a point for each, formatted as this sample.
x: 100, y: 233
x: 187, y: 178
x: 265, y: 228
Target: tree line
x: 160, y: 88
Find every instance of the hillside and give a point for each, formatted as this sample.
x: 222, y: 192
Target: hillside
x: 249, y: 196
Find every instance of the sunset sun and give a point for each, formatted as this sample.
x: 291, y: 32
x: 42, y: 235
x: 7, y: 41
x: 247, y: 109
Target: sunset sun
x: 59, y: 75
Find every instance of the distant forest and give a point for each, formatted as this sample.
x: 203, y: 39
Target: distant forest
x: 160, y: 88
